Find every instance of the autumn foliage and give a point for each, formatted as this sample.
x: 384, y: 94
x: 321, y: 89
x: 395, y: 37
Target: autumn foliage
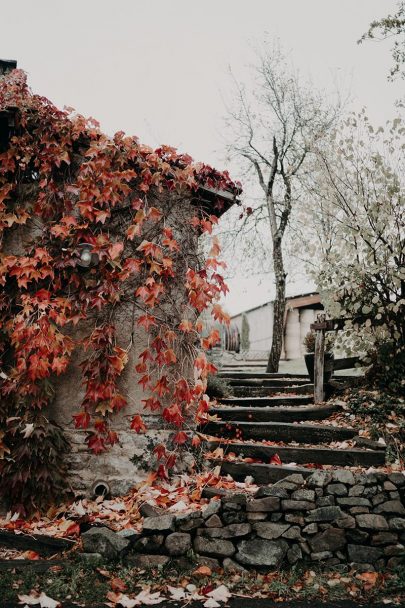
x: 67, y: 184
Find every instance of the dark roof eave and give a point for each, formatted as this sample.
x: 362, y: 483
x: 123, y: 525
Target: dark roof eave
x: 216, y: 202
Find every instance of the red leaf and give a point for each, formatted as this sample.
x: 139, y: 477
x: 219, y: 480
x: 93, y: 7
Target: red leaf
x: 137, y: 424
x: 180, y: 438
x: 275, y: 459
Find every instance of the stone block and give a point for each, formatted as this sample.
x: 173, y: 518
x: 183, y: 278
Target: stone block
x: 294, y: 554
x: 260, y: 552
x: 343, y: 476
x: 276, y: 491
x: 161, y: 523
x: 392, y: 507
x: 229, y: 565
x: 178, y: 543
x: 324, y: 514
x: 384, y: 538
x: 363, y: 553
x: 213, y: 522
x: 325, y: 501
x: 214, y: 547
x: 397, y: 478
x: 321, y: 556
x: 105, y: 542
x: 212, y: 508
x: 233, y: 517
x: 269, y: 530
x: 372, y: 522
x: 353, y: 501
x: 310, y: 529
x: 149, y: 544
x: 319, y: 479
x: 329, y: 540
x: 337, y: 489
x: 263, y: 505
x: 397, y: 523
x: 297, y: 505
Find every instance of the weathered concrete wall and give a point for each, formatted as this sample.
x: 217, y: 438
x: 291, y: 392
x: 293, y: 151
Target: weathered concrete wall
x: 334, y: 519
x: 261, y: 330
x: 114, y: 466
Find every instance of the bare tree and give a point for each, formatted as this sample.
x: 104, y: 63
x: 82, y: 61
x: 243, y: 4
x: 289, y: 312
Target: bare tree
x: 274, y: 129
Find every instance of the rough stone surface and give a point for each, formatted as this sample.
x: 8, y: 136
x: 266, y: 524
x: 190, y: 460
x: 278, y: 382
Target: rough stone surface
x: 357, y: 490
x: 325, y: 501
x: 215, y: 547
x: 178, y: 543
x: 343, y: 476
x: 384, y: 538
x: 329, y: 540
x: 363, y: 553
x: 294, y: 554
x: 394, y: 507
x: 325, y: 514
x: 149, y: 544
x: 353, y: 501
x: 104, y: 541
x: 397, y: 523
x: 162, y: 523
x: 213, y: 522
x: 268, y: 504
x: 260, y: 552
x: 276, y: 491
x: 319, y: 479
x: 321, y: 556
x: 297, y: 505
x: 371, y: 521
x: 310, y: 529
x: 212, y: 508
x: 233, y: 517
x: 229, y: 565
x: 303, y: 494
x: 338, y: 489
x: 270, y: 530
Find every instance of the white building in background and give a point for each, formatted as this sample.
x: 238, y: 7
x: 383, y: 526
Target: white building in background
x: 301, y: 311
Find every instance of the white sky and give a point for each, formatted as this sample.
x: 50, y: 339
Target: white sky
x: 158, y: 69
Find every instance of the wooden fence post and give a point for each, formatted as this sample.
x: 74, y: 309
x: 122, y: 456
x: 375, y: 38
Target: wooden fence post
x: 319, y: 362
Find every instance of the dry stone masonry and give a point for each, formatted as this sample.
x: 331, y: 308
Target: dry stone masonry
x: 334, y: 518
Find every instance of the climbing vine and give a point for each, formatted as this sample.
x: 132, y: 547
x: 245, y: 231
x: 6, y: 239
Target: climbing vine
x: 65, y: 185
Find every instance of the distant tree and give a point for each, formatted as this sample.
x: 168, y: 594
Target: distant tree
x: 274, y: 127
x: 245, y: 331
x: 392, y: 26
x: 360, y: 268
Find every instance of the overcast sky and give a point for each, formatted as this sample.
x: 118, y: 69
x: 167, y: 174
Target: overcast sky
x: 159, y: 69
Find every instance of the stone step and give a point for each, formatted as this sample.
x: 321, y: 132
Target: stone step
x: 260, y: 375
x: 261, y: 473
x: 267, y: 401
x: 275, y: 414
x: 303, y: 455
x: 267, y: 391
x: 279, y: 431
x: 276, y: 383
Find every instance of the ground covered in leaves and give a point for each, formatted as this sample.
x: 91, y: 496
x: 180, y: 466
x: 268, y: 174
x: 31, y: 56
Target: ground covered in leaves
x: 118, y: 585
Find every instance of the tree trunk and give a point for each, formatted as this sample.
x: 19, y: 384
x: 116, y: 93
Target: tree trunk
x: 279, y: 308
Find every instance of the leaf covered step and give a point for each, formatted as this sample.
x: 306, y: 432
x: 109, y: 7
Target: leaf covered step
x: 279, y: 431
x: 275, y: 414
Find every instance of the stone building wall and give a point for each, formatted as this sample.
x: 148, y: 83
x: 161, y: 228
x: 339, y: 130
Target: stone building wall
x: 114, y: 467
x: 334, y: 519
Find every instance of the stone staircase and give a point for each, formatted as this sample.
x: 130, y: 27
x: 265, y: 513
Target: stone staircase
x: 267, y: 408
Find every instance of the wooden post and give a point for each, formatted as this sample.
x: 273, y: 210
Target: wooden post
x: 319, y: 363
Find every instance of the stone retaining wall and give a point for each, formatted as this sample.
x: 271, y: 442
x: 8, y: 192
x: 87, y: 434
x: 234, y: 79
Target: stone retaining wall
x: 334, y: 518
